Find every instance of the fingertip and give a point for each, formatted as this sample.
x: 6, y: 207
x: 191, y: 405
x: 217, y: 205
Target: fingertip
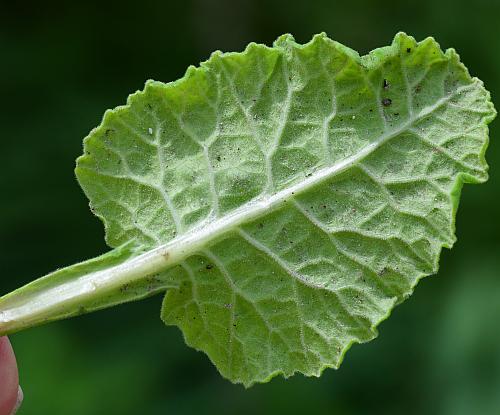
x: 9, y: 379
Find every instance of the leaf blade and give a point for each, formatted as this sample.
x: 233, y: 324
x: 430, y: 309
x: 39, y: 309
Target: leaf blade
x: 289, y: 197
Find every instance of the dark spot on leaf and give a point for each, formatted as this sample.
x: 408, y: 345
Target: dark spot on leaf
x: 437, y: 150
x: 386, y: 84
x: 383, y: 271
x: 386, y: 102
x: 124, y: 288
x: 408, y: 50
x: 209, y: 266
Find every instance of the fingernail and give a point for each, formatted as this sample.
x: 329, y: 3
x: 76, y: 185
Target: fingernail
x: 20, y: 397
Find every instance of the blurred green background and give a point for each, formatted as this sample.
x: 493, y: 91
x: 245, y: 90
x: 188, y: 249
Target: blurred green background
x: 63, y: 64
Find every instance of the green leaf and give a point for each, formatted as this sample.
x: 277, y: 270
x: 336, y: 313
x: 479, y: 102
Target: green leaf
x: 287, y: 198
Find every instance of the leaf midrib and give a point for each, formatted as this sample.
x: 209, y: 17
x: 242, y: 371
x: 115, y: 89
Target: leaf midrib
x: 194, y: 240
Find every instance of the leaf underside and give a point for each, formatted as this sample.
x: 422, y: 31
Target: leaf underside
x: 366, y: 154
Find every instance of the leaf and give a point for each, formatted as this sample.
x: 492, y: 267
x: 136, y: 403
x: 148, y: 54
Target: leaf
x: 287, y: 197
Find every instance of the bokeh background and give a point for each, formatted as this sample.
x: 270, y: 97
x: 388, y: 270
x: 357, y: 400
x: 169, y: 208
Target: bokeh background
x: 63, y: 64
